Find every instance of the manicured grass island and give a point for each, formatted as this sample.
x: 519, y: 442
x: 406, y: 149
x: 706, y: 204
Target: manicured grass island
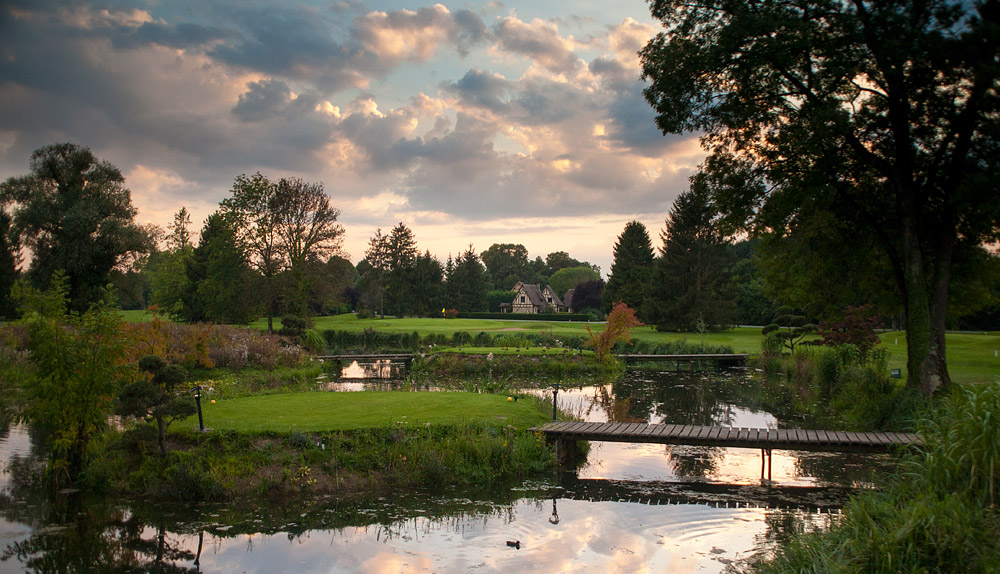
x: 322, y: 412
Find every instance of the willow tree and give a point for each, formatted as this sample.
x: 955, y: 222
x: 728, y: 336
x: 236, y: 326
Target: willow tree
x: 880, y: 112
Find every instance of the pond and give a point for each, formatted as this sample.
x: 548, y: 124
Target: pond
x: 629, y: 508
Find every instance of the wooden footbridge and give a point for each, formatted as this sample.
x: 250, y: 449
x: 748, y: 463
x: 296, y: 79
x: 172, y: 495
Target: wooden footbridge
x: 565, y: 434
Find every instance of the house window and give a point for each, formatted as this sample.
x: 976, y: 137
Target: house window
x: 522, y: 298
x: 549, y: 299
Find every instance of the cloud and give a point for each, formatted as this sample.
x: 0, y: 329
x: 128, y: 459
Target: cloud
x: 415, y: 36
x: 431, y: 113
x: 540, y: 41
x: 488, y: 90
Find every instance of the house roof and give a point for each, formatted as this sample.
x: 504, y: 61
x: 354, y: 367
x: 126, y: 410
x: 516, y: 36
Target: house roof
x: 536, y: 295
x: 568, y: 299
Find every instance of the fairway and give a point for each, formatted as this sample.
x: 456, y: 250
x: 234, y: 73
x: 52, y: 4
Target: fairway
x: 331, y: 411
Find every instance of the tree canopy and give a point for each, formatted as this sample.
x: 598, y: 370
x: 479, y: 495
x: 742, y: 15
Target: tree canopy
x: 883, y: 113
x: 74, y: 213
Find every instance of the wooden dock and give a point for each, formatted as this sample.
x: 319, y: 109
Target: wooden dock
x: 567, y: 433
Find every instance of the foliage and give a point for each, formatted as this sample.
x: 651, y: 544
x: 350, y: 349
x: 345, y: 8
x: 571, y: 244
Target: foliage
x: 10, y: 256
x: 74, y: 213
x: 587, y: 299
x: 880, y: 115
x: 156, y: 395
x: 692, y: 275
x: 937, y: 514
x: 857, y: 327
x: 494, y: 299
x: 282, y: 225
x: 507, y: 264
x: 569, y: 277
x: 220, y: 286
x: 79, y: 363
x: 631, y: 271
x: 467, y: 282
x: 619, y: 327
x: 790, y: 326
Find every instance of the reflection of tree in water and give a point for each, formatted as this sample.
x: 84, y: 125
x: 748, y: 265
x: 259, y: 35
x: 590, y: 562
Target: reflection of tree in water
x: 74, y: 535
x: 858, y: 469
x: 695, y: 461
x: 618, y: 408
x: 95, y: 537
x: 681, y: 398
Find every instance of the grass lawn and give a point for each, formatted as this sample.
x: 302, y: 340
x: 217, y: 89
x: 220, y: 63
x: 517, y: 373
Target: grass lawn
x: 317, y: 411
x: 972, y: 357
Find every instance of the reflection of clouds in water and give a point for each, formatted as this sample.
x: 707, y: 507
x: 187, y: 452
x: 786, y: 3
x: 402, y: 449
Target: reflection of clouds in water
x: 590, y: 537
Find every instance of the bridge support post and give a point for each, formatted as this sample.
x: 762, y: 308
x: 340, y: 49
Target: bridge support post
x: 765, y: 461
x: 566, y: 452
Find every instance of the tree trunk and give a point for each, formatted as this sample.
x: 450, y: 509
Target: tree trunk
x: 162, y: 435
x: 926, y: 306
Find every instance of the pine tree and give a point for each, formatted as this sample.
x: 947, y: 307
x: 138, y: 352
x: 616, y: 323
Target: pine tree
x: 692, y: 283
x: 467, y: 283
x: 631, y: 271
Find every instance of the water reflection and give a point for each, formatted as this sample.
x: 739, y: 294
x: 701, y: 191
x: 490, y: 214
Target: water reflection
x: 611, y: 516
x: 584, y: 527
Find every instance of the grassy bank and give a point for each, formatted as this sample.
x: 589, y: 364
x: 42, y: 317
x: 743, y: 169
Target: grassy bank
x: 938, y: 514
x: 322, y: 412
x: 351, y: 445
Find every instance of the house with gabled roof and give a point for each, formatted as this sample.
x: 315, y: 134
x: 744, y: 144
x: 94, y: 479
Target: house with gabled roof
x: 531, y: 298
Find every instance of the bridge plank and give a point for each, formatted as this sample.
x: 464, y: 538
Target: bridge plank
x: 792, y: 439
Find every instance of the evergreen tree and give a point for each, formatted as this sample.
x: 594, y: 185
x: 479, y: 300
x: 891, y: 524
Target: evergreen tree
x: 401, y: 258
x: 467, y: 283
x: 427, y: 280
x: 631, y: 271
x: 692, y: 277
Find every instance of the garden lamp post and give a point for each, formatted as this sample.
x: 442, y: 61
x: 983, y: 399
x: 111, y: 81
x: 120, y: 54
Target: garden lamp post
x: 197, y: 401
x: 555, y: 393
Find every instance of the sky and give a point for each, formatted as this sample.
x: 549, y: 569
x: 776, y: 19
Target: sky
x: 471, y: 123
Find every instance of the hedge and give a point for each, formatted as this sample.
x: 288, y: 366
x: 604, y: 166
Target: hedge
x: 527, y: 316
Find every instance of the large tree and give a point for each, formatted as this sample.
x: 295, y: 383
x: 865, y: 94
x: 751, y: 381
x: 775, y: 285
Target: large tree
x: 74, y: 213
x: 569, y: 277
x: 631, y: 270
x: 692, y: 278
x: 280, y: 226
x: 309, y: 232
x: 882, y: 112
x: 507, y: 264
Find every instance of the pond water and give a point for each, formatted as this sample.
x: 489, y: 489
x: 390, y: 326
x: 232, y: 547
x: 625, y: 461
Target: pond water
x: 630, y: 508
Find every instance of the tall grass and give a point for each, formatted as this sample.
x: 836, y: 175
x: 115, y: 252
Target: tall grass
x: 937, y: 514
